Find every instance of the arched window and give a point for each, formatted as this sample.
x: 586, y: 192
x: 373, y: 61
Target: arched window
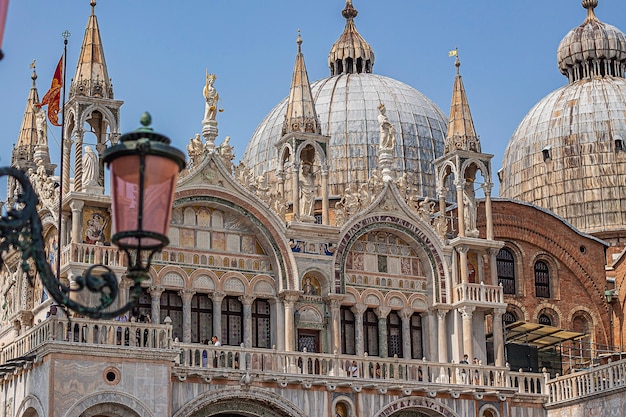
x: 232, y: 321
x: 347, y: 331
x: 508, y: 318
x: 172, y: 306
x: 417, y: 351
x: 544, y: 319
x: 542, y: 279
x: 506, y: 270
x: 394, y: 334
x: 581, y: 323
x: 261, y: 328
x: 370, y: 332
x: 201, y: 318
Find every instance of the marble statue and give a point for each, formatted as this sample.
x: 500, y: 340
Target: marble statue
x: 469, y: 203
x: 211, y: 96
x: 90, y: 167
x: 307, y: 191
x: 42, y: 125
x: 387, y: 131
x: 195, y: 150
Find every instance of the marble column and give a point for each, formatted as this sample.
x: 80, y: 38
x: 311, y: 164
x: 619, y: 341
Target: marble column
x: 278, y: 341
x: 295, y: 193
x: 359, y: 343
x: 155, y: 299
x: 67, y: 163
x: 460, y: 211
x: 246, y: 301
x: 467, y: 313
x: 78, y: 161
x: 289, y: 299
x: 493, y: 265
x: 383, y: 331
x: 186, y: 295
x: 280, y: 178
x: 65, y: 217
x: 217, y: 299
x: 462, y: 250
x: 325, y: 203
x: 334, y: 302
x: 442, y: 336
x: 405, y: 315
x: 488, y: 209
x: 498, y: 337
x: 77, y: 207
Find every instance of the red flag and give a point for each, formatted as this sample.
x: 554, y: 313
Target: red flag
x: 53, y: 96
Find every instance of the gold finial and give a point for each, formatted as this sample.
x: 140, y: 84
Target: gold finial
x: 349, y: 12
x: 590, y: 5
x: 455, y: 53
x: 299, y: 40
x: 92, y: 3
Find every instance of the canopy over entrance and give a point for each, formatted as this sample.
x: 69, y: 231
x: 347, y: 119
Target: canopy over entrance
x: 539, y: 335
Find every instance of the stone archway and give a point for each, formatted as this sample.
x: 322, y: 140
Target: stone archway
x: 416, y: 407
x: 232, y: 402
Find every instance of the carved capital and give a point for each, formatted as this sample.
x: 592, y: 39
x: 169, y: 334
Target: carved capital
x: 334, y: 302
x: 405, y: 313
x: 247, y: 300
x: 498, y: 313
x: 358, y: 309
x: 462, y: 249
x: 289, y: 297
x: 156, y: 291
x: 382, y: 312
x: 467, y: 312
x: 218, y: 297
x: 76, y: 206
x: 493, y: 252
x: 441, y: 314
x: 186, y: 294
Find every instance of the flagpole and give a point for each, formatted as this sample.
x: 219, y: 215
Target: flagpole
x: 66, y: 35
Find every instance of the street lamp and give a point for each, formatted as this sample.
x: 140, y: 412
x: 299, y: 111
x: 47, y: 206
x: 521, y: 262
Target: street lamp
x: 144, y: 171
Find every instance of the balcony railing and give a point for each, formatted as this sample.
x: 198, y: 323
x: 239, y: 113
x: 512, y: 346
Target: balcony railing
x: 88, y: 254
x: 478, y: 293
x: 578, y: 385
x: 195, y: 357
x: 102, y: 332
x: 232, y: 361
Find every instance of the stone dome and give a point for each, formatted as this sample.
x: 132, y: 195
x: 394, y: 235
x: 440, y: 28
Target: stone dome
x: 347, y: 107
x: 568, y: 153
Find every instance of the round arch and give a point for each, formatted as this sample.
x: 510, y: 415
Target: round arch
x: 403, y: 227
x: 253, y: 402
x: 112, y: 403
x: 425, y: 407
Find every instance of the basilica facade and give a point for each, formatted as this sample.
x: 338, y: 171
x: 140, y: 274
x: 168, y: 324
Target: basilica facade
x: 353, y: 263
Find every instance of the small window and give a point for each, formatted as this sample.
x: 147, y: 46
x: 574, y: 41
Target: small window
x: 547, y: 154
x: 619, y: 145
x: 506, y: 270
x: 545, y: 320
x: 542, y: 280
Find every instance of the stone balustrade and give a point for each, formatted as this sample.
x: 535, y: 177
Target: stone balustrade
x: 478, y: 293
x: 88, y: 254
x: 578, y: 385
x: 79, y: 330
x: 194, y: 357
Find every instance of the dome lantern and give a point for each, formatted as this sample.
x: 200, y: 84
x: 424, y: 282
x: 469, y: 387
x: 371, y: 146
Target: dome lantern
x: 593, y: 49
x: 350, y: 53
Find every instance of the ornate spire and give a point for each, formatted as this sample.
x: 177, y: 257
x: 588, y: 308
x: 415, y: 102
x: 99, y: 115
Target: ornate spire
x: 461, y: 133
x: 350, y: 53
x: 92, y: 78
x: 23, y: 152
x: 301, y: 115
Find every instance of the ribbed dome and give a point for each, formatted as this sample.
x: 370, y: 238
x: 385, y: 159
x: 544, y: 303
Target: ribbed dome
x: 592, y: 49
x: 568, y: 154
x: 347, y: 106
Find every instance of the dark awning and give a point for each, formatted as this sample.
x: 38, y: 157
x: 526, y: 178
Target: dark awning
x: 538, y: 335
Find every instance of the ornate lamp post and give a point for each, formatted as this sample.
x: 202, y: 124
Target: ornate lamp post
x: 144, y: 171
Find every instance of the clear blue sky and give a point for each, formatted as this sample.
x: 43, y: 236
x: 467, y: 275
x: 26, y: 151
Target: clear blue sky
x: 157, y: 52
